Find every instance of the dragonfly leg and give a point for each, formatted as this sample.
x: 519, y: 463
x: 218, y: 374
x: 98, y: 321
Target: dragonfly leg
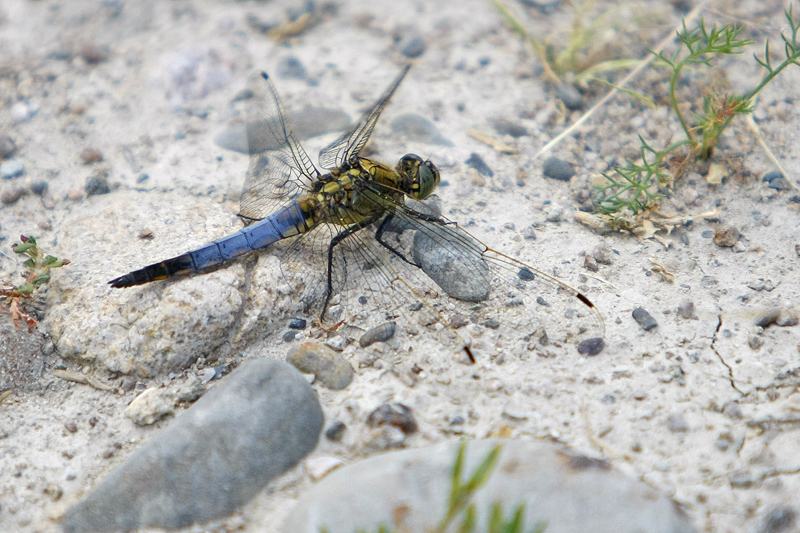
x: 336, y: 240
x: 379, y: 238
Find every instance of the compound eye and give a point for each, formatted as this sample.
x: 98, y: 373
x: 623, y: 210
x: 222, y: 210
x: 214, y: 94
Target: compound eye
x: 426, y: 180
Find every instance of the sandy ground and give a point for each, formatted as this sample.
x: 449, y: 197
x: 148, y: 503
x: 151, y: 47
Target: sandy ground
x: 704, y: 408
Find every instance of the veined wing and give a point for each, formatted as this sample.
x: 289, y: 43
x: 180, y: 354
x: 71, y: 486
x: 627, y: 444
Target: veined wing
x: 418, y: 269
x: 341, y: 150
x: 279, y: 167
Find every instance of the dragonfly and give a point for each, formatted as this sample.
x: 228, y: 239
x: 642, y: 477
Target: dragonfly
x: 369, y: 243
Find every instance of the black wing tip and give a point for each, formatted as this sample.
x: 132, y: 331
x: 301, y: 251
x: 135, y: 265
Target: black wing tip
x: 468, y: 351
x: 585, y: 300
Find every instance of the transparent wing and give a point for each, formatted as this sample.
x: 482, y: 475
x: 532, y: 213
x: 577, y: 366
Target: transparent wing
x: 341, y: 150
x: 279, y: 167
x: 419, y: 270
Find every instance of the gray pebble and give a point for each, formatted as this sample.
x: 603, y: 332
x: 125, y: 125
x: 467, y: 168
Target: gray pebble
x: 297, y: 323
x: 570, y: 95
x: 7, y: 146
x: 644, y: 318
x: 504, y: 126
x: 779, y: 519
x: 557, y: 169
x: 768, y: 317
x: 463, y: 276
x: 256, y: 424
x: 676, y: 423
x: 755, y: 342
x: 11, y: 169
x: 592, y: 346
x: 777, y: 180
x: 741, y: 479
x: 291, y: 67
x: 335, y: 431
x: 96, y: 185
x: 290, y: 335
x: 39, y: 187
x: 328, y: 366
x: 726, y: 236
x: 412, y: 47
x: 547, y: 478
x: 475, y: 161
x: 418, y: 128
x: 639, y: 394
x: 381, y: 333
x: 393, y: 414
x: 603, y: 254
x: 686, y: 310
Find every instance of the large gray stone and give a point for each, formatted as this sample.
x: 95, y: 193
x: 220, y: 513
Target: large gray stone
x: 408, y: 490
x: 256, y: 424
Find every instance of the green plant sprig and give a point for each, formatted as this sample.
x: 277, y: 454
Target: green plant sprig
x: 635, y: 187
x: 38, y: 265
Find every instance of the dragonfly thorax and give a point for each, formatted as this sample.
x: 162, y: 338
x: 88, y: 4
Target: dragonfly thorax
x: 418, y: 177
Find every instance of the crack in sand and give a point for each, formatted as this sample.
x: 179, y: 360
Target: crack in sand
x: 731, y: 379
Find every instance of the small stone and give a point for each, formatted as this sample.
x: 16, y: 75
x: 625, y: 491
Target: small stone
x: 290, y: 335
x: 686, y: 310
x: 71, y: 426
x: 413, y: 47
x: 11, y: 169
x: 557, y: 169
x: 570, y: 95
x: 381, y: 333
x: 90, y: 155
x: 492, y: 323
x: 755, y: 342
x: 603, y: 254
x: 393, y: 414
x: 418, y: 128
x: 639, y: 394
x: 590, y: 263
x: 462, y: 276
x: 291, y: 67
x: 297, y: 323
x: 335, y: 431
x: 257, y: 423
x: 787, y: 319
x: 768, y: 317
x: 779, y: 520
x: 150, y: 406
x: 21, y: 112
x: 93, y: 53
x: 475, y: 161
x: 529, y: 233
x: 741, y: 479
x: 644, y: 318
x: 732, y: 410
x: 676, y: 423
x: 319, y: 467
x: 54, y: 491
x: 337, y: 343
x: 40, y: 187
x: 739, y: 247
x: 96, y: 185
x: 7, y: 146
x: 554, y: 213
x: 726, y: 236
x: 777, y: 181
x: 142, y: 178
x: 507, y: 127
x: 12, y: 195
x: 591, y: 346
x: 328, y: 366
x: 458, y: 320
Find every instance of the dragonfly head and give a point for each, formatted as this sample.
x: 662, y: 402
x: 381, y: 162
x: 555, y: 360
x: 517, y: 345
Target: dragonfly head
x: 419, y: 177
